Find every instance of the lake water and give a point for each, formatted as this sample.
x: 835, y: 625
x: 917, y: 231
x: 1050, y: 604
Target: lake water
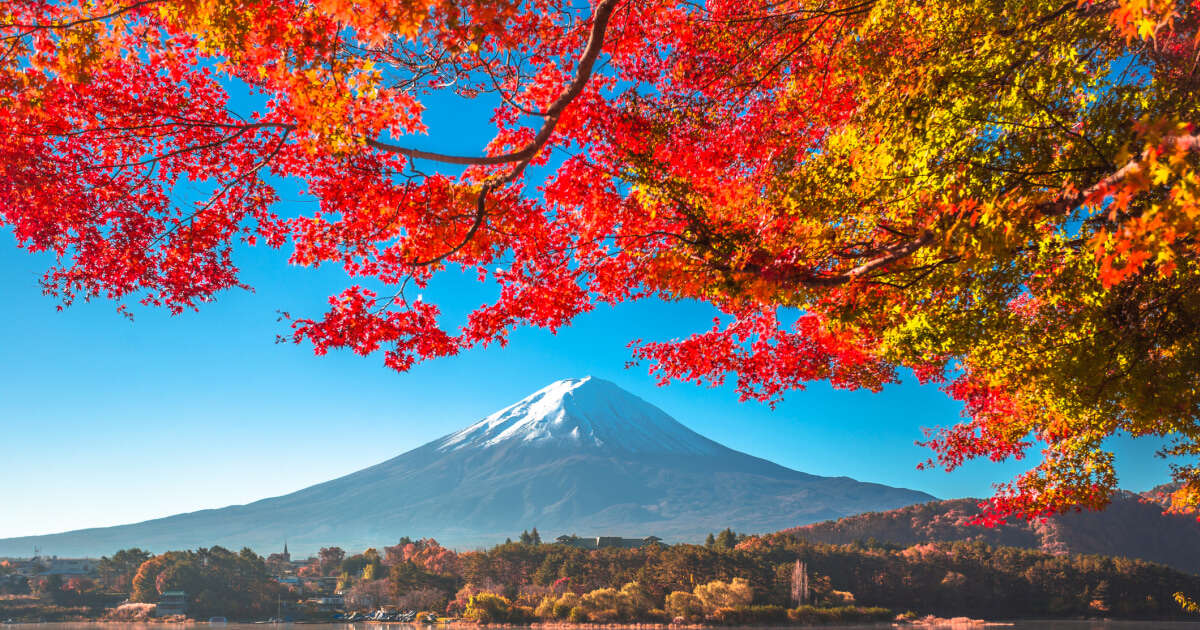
x: 1018, y: 625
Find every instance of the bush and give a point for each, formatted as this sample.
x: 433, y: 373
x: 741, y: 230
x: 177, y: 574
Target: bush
x: 747, y: 615
x: 488, y: 608
x: 685, y: 605
x: 551, y: 608
x: 838, y: 614
x: 545, y: 608
x: 577, y: 615
x: 718, y: 594
x: 521, y: 614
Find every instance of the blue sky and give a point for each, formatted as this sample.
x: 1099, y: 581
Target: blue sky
x: 106, y: 421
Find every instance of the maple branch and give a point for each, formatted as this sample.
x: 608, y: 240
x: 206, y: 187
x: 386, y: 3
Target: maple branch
x: 1069, y: 199
x: 87, y: 20
x: 523, y: 157
x: 480, y: 215
x: 1062, y: 203
x: 587, y: 62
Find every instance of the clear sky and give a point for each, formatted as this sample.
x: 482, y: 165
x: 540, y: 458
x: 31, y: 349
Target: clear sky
x: 105, y: 421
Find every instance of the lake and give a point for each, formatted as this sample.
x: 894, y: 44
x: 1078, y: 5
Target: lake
x: 1017, y: 625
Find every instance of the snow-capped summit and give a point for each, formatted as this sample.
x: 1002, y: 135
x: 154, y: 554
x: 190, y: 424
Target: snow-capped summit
x: 581, y: 413
x: 579, y: 455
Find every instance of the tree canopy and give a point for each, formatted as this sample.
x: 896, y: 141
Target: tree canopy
x: 995, y: 195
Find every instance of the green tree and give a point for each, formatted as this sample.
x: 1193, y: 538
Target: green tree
x: 726, y: 539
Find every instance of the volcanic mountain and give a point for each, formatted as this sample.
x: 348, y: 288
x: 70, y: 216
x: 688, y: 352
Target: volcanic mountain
x: 580, y: 455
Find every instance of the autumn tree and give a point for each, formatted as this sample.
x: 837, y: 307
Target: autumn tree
x: 330, y: 558
x: 216, y: 582
x: 117, y: 572
x: 996, y: 196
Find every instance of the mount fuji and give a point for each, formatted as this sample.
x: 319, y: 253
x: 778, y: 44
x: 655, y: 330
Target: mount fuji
x: 579, y: 455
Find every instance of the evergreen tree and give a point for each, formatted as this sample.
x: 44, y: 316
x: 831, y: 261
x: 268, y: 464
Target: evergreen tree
x: 726, y: 539
x: 535, y: 537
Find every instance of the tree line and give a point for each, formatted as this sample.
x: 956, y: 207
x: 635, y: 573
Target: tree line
x: 733, y: 579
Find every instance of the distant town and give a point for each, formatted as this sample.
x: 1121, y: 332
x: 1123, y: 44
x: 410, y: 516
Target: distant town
x: 729, y: 579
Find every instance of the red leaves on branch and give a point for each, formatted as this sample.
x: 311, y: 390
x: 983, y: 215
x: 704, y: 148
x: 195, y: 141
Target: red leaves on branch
x: 913, y: 204
x: 767, y: 358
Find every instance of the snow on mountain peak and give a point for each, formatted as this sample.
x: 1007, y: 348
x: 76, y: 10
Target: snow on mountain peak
x: 583, y: 413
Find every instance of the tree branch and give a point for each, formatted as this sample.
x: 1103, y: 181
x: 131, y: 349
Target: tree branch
x: 1064, y: 202
x: 587, y: 62
x: 1068, y: 200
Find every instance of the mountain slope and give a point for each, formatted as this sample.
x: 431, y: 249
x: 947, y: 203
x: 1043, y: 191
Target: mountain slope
x: 1133, y: 526
x: 579, y: 455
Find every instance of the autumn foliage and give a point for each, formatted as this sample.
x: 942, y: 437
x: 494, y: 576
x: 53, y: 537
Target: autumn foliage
x: 999, y: 196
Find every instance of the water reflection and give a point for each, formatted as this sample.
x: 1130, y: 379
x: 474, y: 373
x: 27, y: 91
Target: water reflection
x: 1018, y: 625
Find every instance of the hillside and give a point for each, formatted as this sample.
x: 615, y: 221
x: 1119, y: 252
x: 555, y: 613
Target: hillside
x: 1133, y: 526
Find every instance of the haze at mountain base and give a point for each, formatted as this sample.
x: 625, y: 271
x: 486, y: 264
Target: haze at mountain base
x: 580, y: 455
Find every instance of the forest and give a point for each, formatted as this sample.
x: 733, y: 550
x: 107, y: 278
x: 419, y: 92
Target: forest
x: 731, y: 579
x: 782, y: 573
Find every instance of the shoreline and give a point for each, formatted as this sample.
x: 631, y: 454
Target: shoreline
x: 927, y: 621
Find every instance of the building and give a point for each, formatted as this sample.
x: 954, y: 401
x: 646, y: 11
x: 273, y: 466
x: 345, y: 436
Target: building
x: 601, y: 542
x: 281, y: 558
x: 327, y: 604
x: 324, y: 585
x: 171, y: 603
x: 41, y: 566
x: 69, y: 567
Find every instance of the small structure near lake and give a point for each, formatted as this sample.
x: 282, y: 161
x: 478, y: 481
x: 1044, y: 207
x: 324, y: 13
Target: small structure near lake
x: 171, y: 603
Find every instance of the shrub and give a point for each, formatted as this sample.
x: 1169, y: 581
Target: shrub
x: 685, y: 605
x: 556, y: 608
x: 487, y: 608
x: 745, y: 615
x: 718, y: 594
x: 637, y: 599
x: 545, y: 608
x: 577, y: 615
x: 601, y: 599
x: 521, y: 614
x: 838, y: 614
